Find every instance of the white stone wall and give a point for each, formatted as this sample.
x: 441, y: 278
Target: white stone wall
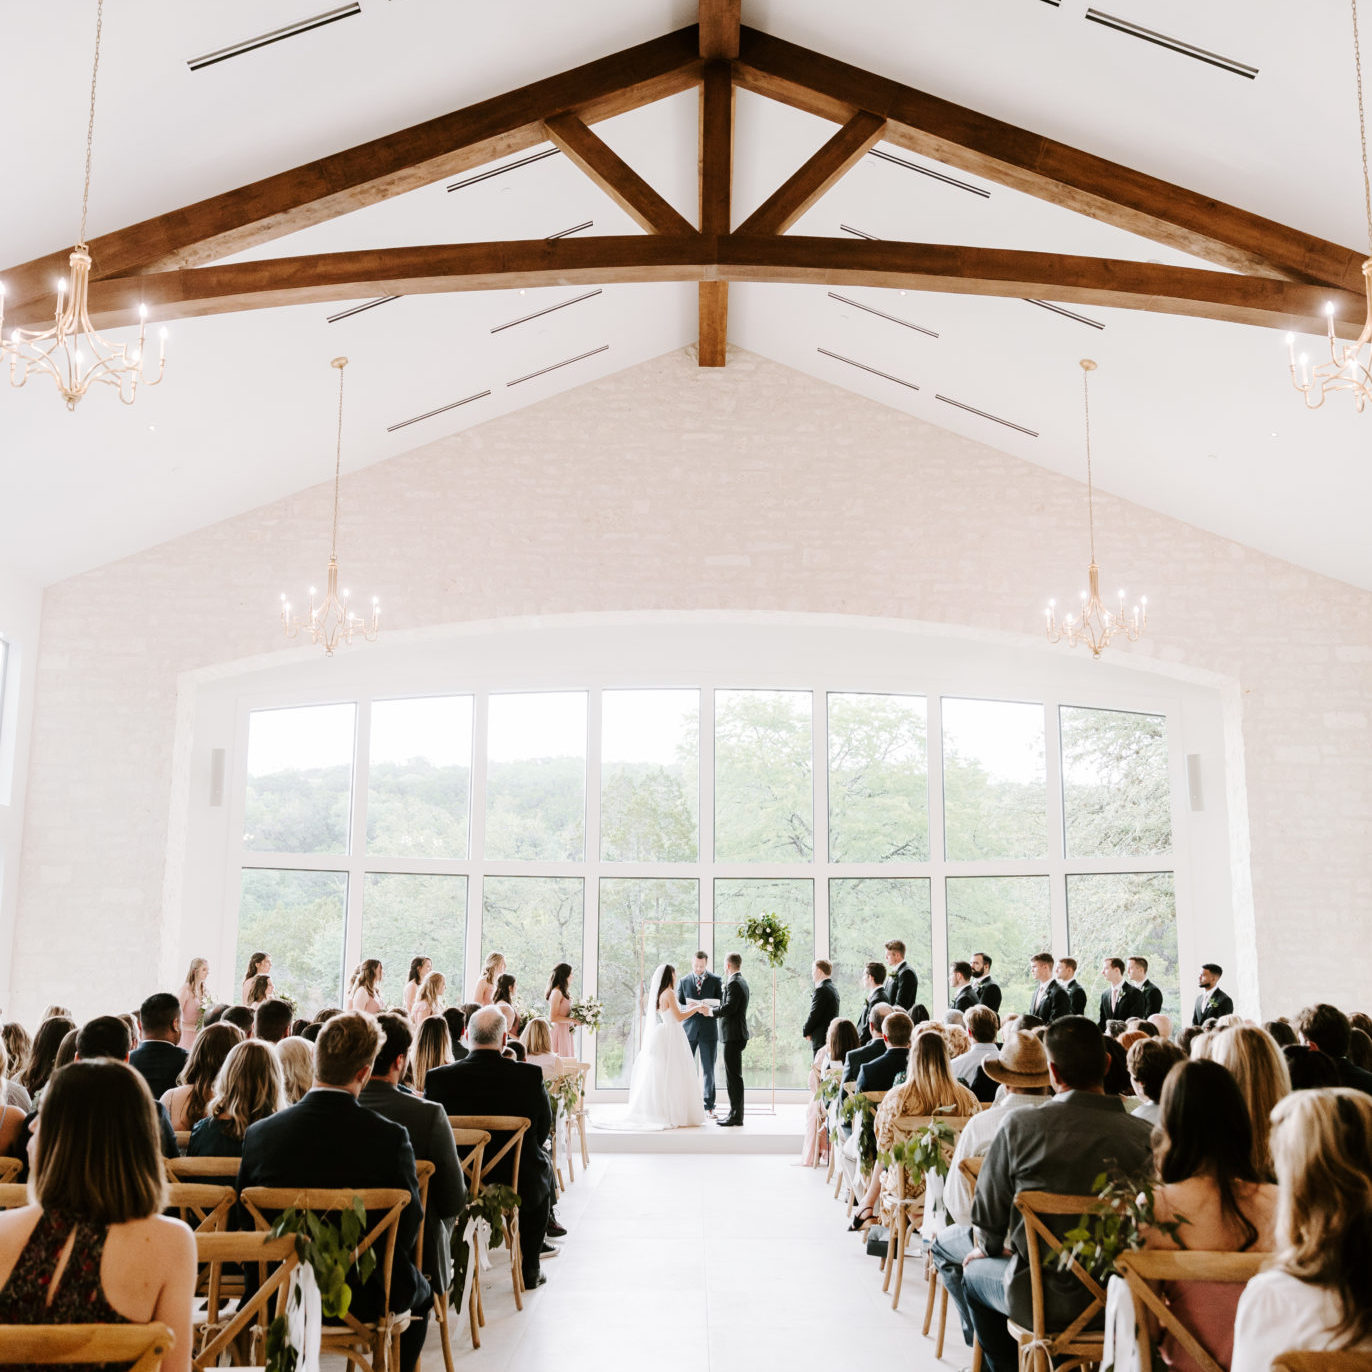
x: 668, y: 487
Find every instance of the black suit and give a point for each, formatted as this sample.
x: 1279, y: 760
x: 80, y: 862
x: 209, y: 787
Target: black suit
x: 1152, y: 998
x: 329, y: 1140
x: 902, y: 986
x: 1211, y: 1005
x: 702, y: 1031
x: 1129, y: 1003
x: 965, y: 998
x: 823, y: 1012
x: 159, y: 1063
x: 1076, y: 993
x: 1050, y: 1002
x: 988, y: 994
x: 733, y: 1030
x: 858, y: 1058
x: 881, y: 1074
x: 877, y: 997
x: 485, y: 1083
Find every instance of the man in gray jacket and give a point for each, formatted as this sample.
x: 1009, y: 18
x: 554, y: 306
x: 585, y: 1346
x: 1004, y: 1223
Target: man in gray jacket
x: 430, y: 1137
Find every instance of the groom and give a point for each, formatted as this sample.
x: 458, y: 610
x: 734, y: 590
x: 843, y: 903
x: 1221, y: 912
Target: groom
x: 702, y: 1031
x: 733, y: 1019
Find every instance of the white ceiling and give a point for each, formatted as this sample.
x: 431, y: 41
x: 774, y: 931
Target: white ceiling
x: 1192, y: 418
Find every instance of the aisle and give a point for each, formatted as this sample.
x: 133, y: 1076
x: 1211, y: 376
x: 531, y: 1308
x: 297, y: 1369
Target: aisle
x: 707, y: 1262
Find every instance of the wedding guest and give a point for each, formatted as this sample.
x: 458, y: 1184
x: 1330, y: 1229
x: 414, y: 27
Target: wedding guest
x: 56, y: 1012
x: 1326, y: 1028
x: 1149, y: 1061
x: 298, y: 1026
x: 259, y: 965
x: 187, y: 1102
x: 1137, y: 972
x: 1188, y: 1036
x: 486, y: 982
x: 46, y: 1042
x: 504, y: 1001
x: 259, y: 989
x: 1318, y: 1293
x: 131, y: 1023
x: 874, y: 994
x: 457, y: 1026
x: 1119, y: 1000
x: 956, y: 1039
x: 1283, y: 1035
x: 214, y: 1014
x: 1162, y: 1023
x: 93, y: 1246
x: 1255, y: 1062
x: 18, y: 1046
x: 902, y: 981
x: 12, y: 1117
x: 296, y: 1056
x: 196, y: 999
x: 432, y: 1048
x: 537, y: 1039
x: 981, y: 1031
x: 272, y: 1021
x: 867, y: 1052
x: 1066, y: 973
x: 240, y: 1017
x: 420, y: 967
x: 1203, y: 1153
x: 955, y: 1017
x: 1309, y: 1069
x: 840, y: 1041
x: 327, y: 1013
x: 983, y: 984
x: 964, y: 994
x: 1212, y: 1003
x: 159, y: 1057
x: 364, y: 990
x: 66, y: 1051
x: 559, y: 998
x: 1360, y: 1049
x: 823, y: 1006
x: 880, y: 1074
x: 249, y: 1088
x: 429, y: 1001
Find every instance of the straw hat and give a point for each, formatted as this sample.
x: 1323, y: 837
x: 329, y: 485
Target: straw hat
x: 1022, y: 1062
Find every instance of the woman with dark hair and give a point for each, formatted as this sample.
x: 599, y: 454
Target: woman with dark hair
x: 93, y: 1247
x: 841, y: 1039
x: 559, y: 998
x: 504, y: 998
x: 1117, y: 1071
x: 46, y: 1042
x: 456, y: 1021
x: 188, y: 1102
x: 1309, y: 1069
x: 420, y: 967
x: 364, y: 990
x: 1282, y: 1033
x: 259, y: 965
x: 1203, y: 1151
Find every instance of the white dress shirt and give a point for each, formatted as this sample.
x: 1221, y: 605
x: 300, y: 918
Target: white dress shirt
x: 975, y: 1142
x: 965, y: 1064
x: 1277, y: 1313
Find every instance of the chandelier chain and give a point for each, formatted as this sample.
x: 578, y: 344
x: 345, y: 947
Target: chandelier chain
x: 337, y: 467
x: 1090, y: 486
x: 90, y: 124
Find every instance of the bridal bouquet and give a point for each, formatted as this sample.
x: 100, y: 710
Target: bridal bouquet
x: 768, y: 935
x: 589, y: 1014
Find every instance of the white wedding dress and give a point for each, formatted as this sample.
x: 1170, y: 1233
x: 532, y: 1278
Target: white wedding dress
x: 665, y: 1090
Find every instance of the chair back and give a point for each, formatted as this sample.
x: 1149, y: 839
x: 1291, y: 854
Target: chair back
x: 424, y: 1171
x: 906, y: 1126
x: 876, y: 1097
x: 205, y: 1208
x: 213, y: 1170
x: 212, y: 1251
x: 1038, y: 1237
x: 139, y: 1347
x: 514, y: 1126
x: 971, y: 1170
x: 13, y: 1194
x: 471, y: 1151
x: 10, y: 1168
x: 1309, y: 1360
x: 183, y: 1138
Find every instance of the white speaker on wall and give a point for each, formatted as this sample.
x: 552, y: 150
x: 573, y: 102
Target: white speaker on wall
x: 216, y: 777
x: 1193, y: 781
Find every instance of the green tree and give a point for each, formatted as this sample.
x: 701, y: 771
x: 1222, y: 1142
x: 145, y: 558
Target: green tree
x: 878, y: 779
x: 764, y: 777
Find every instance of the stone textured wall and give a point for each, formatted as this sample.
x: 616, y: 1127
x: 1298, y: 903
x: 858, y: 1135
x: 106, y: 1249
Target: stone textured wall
x: 668, y: 487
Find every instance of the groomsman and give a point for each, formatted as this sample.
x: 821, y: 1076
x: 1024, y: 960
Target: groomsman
x: 1067, y: 979
x: 1212, y: 1003
x: 1050, y: 1000
x: 873, y: 975
x: 964, y: 995
x: 903, y: 982
x: 1120, y: 1000
x: 702, y: 1031
x: 823, y: 1006
x: 987, y: 992
x: 1137, y: 972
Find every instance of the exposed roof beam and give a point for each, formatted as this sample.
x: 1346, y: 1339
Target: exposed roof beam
x: 1026, y: 161
x: 716, y: 203
x: 719, y: 28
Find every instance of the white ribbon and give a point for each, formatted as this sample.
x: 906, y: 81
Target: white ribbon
x: 304, y: 1318
x: 476, y: 1234
x: 1121, y: 1328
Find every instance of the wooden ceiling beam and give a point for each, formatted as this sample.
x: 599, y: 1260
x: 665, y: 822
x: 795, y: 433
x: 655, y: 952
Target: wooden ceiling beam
x: 716, y: 203
x: 376, y: 170
x: 614, y: 176
x: 719, y: 29
x: 1025, y: 161
x: 789, y: 201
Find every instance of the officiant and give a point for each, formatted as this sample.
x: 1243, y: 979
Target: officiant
x: 702, y: 1031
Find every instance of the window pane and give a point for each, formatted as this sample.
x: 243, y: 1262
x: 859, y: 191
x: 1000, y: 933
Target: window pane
x: 297, y: 917
x: 1115, y: 798
x: 864, y: 912
x: 650, y: 776
x: 300, y: 779
x: 1120, y: 915
x: 625, y: 907
x: 1006, y: 917
x: 878, y: 779
x: 536, y: 923
x: 419, y: 777
x: 995, y: 798
x: 405, y: 917
x: 793, y: 902
x: 764, y: 787
x: 536, y: 777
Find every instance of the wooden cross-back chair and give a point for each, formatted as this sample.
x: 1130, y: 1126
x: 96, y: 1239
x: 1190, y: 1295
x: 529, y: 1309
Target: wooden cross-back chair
x: 372, y: 1343
x: 1146, y: 1271
x: 559, y: 1186
x: 13, y: 1194
x: 471, y: 1150
x: 1334, y: 1360
x: 219, y: 1331
x: 10, y: 1168
x: 183, y: 1138
x: 204, y: 1207
x: 139, y: 1347
x: 850, y: 1169
x: 971, y: 1170
x: 424, y: 1171
x: 578, y: 1118
x: 515, y: 1126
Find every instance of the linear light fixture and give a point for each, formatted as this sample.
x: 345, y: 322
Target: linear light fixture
x: 442, y: 409
x: 881, y: 314
x: 983, y: 414
x: 1163, y: 40
x: 565, y: 233
x: 264, y: 40
x: 543, y: 371
x: 500, y: 171
x: 561, y: 305
x: 859, y: 233
x: 929, y: 172
x: 863, y: 367
x: 1066, y: 314
x: 357, y: 309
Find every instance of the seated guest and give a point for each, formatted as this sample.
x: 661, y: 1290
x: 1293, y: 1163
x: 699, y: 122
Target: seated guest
x: 1318, y: 1293
x: 1022, y: 1069
x: 56, y: 1012
x: 107, y: 1036
x: 839, y: 1042
x: 457, y: 1026
x: 1188, y: 1037
x: 46, y: 1042
x: 11, y: 1116
x: 985, y: 1088
x: 957, y: 1040
x: 537, y: 1039
x: 1117, y: 1070
x: 298, y: 1027
x: 240, y: 1017
x: 1162, y: 1023
x: 881, y: 1073
x: 486, y: 1083
x: 17, y: 1045
x: 432, y: 1048
x: 981, y: 1029
x: 1203, y: 1152
x: 873, y: 1048
x: 93, y: 1247
x: 326, y: 1014
x: 214, y: 1014
x: 1283, y: 1035
x: 159, y: 1057
x: 1325, y: 1028
x: 271, y: 1021
x: 311, y: 1033
x: 1062, y: 1146
x: 514, y: 1049
x: 1360, y: 1049
x: 1309, y: 1069
x: 1149, y: 1062
x: 187, y: 1103
x: 1257, y: 1065
x: 248, y: 1089
x: 1115, y: 1027
x: 296, y: 1056
x: 431, y: 1137
x: 329, y: 1140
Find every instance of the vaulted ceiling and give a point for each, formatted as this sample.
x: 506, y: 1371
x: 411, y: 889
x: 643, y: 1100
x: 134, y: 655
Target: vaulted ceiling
x: 1194, y: 417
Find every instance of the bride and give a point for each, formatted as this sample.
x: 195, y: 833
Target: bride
x: 664, y: 1092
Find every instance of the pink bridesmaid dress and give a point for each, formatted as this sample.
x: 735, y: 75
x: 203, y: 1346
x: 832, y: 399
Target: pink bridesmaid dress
x: 563, y: 1045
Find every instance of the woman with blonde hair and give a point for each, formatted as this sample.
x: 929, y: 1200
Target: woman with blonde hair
x: 196, y: 999
x: 429, y: 1002
x: 17, y: 1045
x: 433, y: 1047
x: 296, y: 1056
x: 249, y: 1089
x: 364, y: 990
x: 1317, y: 1295
x: 188, y: 1102
x: 537, y: 1039
x: 420, y: 967
x: 485, y: 983
x: 1254, y: 1061
x: 11, y: 1116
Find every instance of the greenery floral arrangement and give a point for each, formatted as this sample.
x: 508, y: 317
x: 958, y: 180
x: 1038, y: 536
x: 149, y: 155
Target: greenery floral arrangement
x: 589, y: 1014
x: 829, y: 1088
x: 769, y: 935
x: 1114, y: 1225
x: 495, y: 1199
x: 565, y: 1092
x: 861, y: 1112
x: 926, y: 1150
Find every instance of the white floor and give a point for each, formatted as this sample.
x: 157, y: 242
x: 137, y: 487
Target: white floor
x: 704, y: 1262
x: 764, y: 1131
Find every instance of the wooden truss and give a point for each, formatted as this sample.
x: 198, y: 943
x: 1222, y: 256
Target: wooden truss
x: 1272, y: 275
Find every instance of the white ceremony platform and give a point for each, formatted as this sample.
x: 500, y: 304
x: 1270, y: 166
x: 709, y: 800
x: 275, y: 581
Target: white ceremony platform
x: 781, y: 1133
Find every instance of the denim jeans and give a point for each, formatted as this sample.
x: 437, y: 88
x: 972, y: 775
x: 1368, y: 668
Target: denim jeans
x: 978, y: 1292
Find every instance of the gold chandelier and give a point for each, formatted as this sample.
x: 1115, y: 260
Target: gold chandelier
x: 333, y: 621
x: 1095, y: 624
x: 1346, y: 369
x: 71, y: 352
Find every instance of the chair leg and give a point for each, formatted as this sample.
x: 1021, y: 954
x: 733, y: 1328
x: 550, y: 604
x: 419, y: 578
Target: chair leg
x: 900, y: 1264
x: 516, y: 1275
x: 581, y: 1129
x: 935, y: 1285
x: 889, y: 1261
x: 942, y: 1321
x: 441, y: 1315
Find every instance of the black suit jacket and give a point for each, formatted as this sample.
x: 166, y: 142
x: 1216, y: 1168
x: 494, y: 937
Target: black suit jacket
x: 823, y: 1012
x: 1052, y: 1004
x: 1211, y: 1005
x: 877, y: 997
x: 329, y: 1140
x: 1152, y: 998
x: 1129, y: 1005
x: 700, y: 1028
x: 988, y: 994
x: 880, y: 1074
x: 733, y: 1011
x: 159, y: 1063
x: 858, y: 1058
x: 902, y: 986
x: 965, y: 998
x: 1076, y: 993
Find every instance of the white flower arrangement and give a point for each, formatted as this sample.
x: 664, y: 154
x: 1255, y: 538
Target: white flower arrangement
x: 589, y: 1014
x: 769, y: 935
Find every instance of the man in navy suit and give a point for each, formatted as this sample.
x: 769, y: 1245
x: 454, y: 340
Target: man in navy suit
x: 702, y: 1031
x: 1067, y: 979
x: 859, y: 1057
x: 881, y: 1074
x: 329, y: 1140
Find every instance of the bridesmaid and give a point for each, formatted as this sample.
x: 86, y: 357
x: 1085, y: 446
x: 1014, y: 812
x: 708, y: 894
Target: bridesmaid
x: 364, y: 991
x: 559, y: 998
x: 429, y: 1002
x: 260, y: 988
x: 504, y: 999
x: 196, y: 999
x: 258, y: 965
x: 420, y: 968
x: 485, y: 983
